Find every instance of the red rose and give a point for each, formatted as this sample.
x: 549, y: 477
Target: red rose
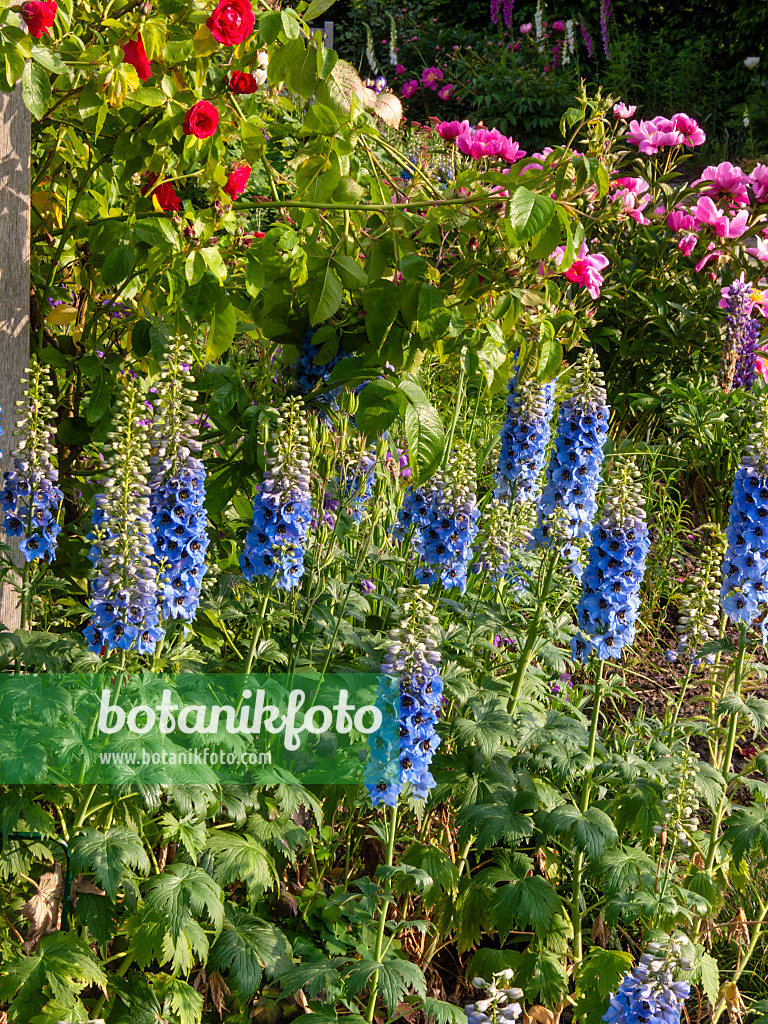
x: 242, y: 83
x: 237, y: 181
x: 134, y: 53
x: 232, y: 21
x: 39, y: 16
x: 202, y: 120
x: 165, y: 194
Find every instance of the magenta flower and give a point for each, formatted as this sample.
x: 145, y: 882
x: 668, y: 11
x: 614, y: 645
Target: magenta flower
x: 689, y: 129
x: 446, y: 92
x: 481, y: 142
x: 558, y: 26
x: 539, y: 159
x: 367, y: 586
x: 450, y: 130
x: 409, y: 88
x: 585, y: 270
x: 681, y: 220
x: 758, y: 179
x: 621, y: 112
x: 633, y: 195
x: 728, y: 182
x: 526, y: 28
x: 707, y: 213
x: 711, y: 254
x: 430, y: 77
x: 687, y: 244
x: 760, y: 248
x: 399, y: 69
x: 510, y: 151
x: 651, y: 136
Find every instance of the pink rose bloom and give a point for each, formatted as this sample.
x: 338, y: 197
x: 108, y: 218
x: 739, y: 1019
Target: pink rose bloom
x: 689, y: 129
x: 409, y: 88
x: 539, y: 158
x: 727, y: 180
x: 687, y: 244
x: 430, y: 77
x: 526, y: 28
x: 558, y: 26
x: 510, y: 150
x: 621, y: 112
x: 707, y: 213
x: 759, y: 250
x: 633, y: 195
x: 450, y: 130
x: 481, y: 142
x: 585, y: 270
x: 446, y: 92
x: 681, y: 220
x: 758, y: 179
x: 651, y: 136
x: 399, y: 69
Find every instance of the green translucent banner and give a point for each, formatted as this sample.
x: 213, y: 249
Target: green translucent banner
x: 121, y: 728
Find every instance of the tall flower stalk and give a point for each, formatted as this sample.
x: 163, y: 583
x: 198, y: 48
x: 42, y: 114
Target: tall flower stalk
x: 282, y: 509
x: 737, y: 364
x: 649, y: 992
x: 31, y: 497
x: 524, y: 439
x: 179, y: 519
x: 124, y: 593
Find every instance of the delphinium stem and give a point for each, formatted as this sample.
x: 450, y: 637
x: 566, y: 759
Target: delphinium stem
x: 382, y: 918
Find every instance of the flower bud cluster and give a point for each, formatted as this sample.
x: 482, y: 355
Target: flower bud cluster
x: 179, y: 519
x: 124, y: 593
x: 282, y: 508
x: 681, y: 802
x: 449, y: 523
x: 524, y: 439
x: 410, y: 671
x: 31, y: 497
x: 745, y: 567
x: 500, y: 1004
x: 573, y: 473
x: 699, y: 604
x: 505, y: 530
x: 610, y: 600
x: 649, y: 994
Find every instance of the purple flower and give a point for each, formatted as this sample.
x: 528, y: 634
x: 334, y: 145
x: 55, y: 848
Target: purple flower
x: 367, y: 586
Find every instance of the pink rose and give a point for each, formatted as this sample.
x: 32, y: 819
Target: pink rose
x: 450, y: 130
x: 622, y: 112
x: 526, y: 28
x: 399, y: 69
x: 758, y: 180
x: 558, y: 26
x: 728, y: 181
x: 585, y: 269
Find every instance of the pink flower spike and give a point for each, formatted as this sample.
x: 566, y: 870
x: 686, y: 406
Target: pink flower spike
x: 622, y: 112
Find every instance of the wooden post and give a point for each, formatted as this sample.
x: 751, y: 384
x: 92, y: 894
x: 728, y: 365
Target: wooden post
x: 328, y: 35
x: 15, y: 184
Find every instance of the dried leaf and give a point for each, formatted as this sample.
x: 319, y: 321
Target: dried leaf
x: 218, y: 990
x: 600, y: 931
x: 539, y: 1015
x: 42, y: 910
x: 737, y: 930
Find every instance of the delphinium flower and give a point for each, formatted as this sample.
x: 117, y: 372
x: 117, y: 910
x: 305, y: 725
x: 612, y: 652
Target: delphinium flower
x: 500, y: 1003
x: 410, y: 677
x: 738, y: 302
x: 610, y: 601
x: 699, y: 603
x: 357, y: 483
x: 504, y: 531
x: 31, y: 497
x: 449, y: 523
x: 412, y: 514
x: 649, y: 994
x: 179, y: 519
x: 605, y: 14
x: 573, y: 473
x: 745, y: 568
x: 282, y: 507
x: 524, y: 439
x: 124, y: 593
x: 308, y: 373
x: 681, y: 802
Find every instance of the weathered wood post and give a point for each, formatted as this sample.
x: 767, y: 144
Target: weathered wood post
x: 15, y: 184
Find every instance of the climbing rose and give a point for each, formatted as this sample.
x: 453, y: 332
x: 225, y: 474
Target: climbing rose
x: 242, y: 83
x: 237, y: 181
x: 232, y: 21
x: 165, y: 194
x: 201, y: 120
x: 134, y: 53
x: 39, y: 15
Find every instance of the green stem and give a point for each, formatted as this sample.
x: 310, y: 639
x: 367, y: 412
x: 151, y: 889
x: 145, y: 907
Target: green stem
x: 121, y: 973
x: 683, y: 690
x: 83, y: 811
x: 526, y: 655
x: 256, y: 635
x: 456, y: 410
x: 382, y: 919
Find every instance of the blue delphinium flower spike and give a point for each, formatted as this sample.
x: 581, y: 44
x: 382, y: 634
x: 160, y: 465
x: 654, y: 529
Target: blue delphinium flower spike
x: 124, y: 601
x: 573, y: 473
x: 179, y: 519
x: 524, y: 439
x: 649, y: 994
x: 411, y: 670
x: 282, y: 509
x: 357, y: 483
x: 610, y: 600
x: 31, y: 497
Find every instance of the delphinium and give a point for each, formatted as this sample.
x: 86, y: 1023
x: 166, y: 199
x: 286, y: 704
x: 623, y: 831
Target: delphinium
x: 649, y: 993
x: 610, y: 600
x: 449, y: 523
x: 308, y: 372
x: 500, y: 1003
x: 412, y: 514
x: 738, y: 302
x: 282, y: 507
x: 680, y: 804
x: 504, y: 531
x: 745, y: 568
x: 357, y: 481
x: 524, y: 439
x: 31, y: 497
x: 699, y: 602
x: 573, y: 473
x: 410, y: 677
x: 179, y: 519
x: 124, y: 592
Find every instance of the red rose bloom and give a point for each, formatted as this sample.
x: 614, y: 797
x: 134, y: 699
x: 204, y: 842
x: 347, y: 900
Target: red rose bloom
x: 165, y: 194
x: 237, y: 181
x: 242, y: 83
x: 134, y: 53
x: 202, y: 120
x: 39, y: 16
x: 232, y: 21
